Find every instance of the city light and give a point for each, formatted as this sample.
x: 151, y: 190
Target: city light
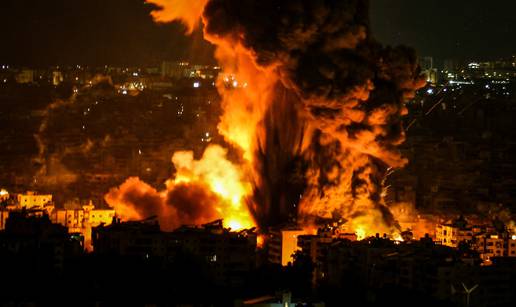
x: 258, y: 153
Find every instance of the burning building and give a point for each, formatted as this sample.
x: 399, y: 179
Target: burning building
x: 313, y: 110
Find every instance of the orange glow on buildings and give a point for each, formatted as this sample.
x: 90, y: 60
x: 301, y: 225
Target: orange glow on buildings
x: 283, y: 244
x: 82, y: 220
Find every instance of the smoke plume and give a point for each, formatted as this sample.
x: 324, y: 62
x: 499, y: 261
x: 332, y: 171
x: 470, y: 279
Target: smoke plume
x: 183, y: 204
x: 315, y: 106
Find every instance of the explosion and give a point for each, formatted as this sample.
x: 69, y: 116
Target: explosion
x: 201, y: 191
x: 315, y: 107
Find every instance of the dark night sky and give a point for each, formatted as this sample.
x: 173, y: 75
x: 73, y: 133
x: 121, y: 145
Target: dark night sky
x: 98, y: 32
x: 448, y: 28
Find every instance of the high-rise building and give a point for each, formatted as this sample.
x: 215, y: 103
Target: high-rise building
x: 283, y: 244
x: 427, y: 68
x: 426, y: 63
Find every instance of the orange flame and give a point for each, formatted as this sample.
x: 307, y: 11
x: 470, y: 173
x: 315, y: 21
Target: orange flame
x: 247, y: 87
x: 244, y: 105
x: 201, y: 191
x: 245, y: 90
x: 189, y: 12
x: 222, y: 177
